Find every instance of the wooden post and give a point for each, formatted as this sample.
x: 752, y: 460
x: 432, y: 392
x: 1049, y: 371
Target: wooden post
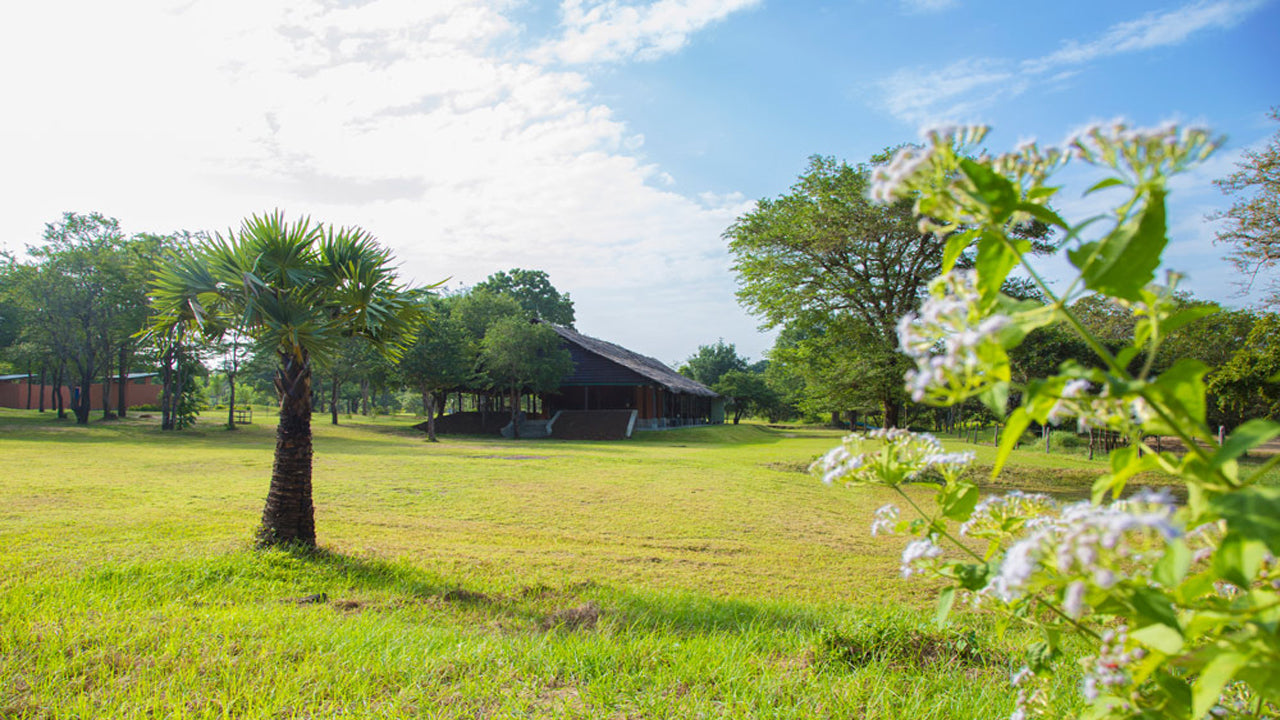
x: 1046, y: 431
x: 995, y: 439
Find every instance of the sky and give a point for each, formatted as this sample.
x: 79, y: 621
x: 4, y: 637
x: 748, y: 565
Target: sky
x: 609, y: 143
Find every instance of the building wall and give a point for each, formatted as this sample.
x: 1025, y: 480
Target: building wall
x: 13, y: 394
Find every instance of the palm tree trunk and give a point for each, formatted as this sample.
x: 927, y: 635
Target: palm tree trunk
x: 289, y: 516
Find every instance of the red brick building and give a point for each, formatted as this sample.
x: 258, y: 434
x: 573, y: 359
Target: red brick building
x: 24, y: 392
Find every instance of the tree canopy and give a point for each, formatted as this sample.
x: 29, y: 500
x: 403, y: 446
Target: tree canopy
x: 824, y: 252
x: 522, y: 356
x: 533, y: 290
x: 1253, y: 221
x: 711, y: 362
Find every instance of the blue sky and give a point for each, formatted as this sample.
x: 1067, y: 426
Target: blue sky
x: 608, y: 143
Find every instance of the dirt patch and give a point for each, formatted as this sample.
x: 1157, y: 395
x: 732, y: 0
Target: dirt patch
x: 788, y: 467
x: 460, y: 595
x: 909, y: 648
x: 316, y: 599
x: 347, y: 605
x: 583, y: 617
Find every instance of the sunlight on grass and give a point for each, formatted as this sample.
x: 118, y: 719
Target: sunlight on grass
x: 697, y: 572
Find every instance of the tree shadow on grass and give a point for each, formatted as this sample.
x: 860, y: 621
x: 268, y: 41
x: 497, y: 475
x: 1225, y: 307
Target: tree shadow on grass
x: 546, y: 607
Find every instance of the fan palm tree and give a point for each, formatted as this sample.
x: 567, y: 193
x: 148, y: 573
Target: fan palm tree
x: 297, y: 289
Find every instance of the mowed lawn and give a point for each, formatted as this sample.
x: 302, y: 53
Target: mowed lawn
x: 689, y: 573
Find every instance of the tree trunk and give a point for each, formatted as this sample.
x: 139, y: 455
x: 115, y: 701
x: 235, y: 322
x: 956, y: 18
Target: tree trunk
x: 166, y: 390
x: 333, y: 401
x: 289, y: 515
x: 515, y: 408
x: 428, y: 403
x: 231, y: 382
x: 364, y: 397
x: 231, y: 402
x: 60, y: 403
x: 28, y: 384
x: 82, y: 405
x: 123, y: 392
x: 892, y: 412
x: 106, y: 392
x: 43, y: 370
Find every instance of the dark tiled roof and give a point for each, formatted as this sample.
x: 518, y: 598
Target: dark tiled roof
x: 642, y: 365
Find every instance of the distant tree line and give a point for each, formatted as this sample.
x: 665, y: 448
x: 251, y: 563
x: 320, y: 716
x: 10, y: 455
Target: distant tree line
x: 74, y: 312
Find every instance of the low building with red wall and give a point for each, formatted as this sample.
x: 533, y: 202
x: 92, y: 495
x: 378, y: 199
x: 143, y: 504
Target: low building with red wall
x: 25, y: 391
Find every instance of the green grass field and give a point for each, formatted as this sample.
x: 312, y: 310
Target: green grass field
x: 689, y: 573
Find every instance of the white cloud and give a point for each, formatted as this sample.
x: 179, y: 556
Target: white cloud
x: 963, y: 88
x: 609, y: 31
x: 406, y: 118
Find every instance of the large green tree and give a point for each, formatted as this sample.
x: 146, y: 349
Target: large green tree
x: 748, y: 393
x: 535, y: 293
x: 825, y: 254
x: 443, y: 357
x: 711, y: 362
x: 77, y: 299
x: 1253, y: 221
x: 520, y: 356
x: 298, y: 288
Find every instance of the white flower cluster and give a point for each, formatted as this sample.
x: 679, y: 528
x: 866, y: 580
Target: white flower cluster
x: 1031, y: 694
x: 885, y: 519
x: 999, y: 516
x: 1086, y: 543
x: 1100, y: 412
x: 916, y: 552
x: 1166, y: 148
x: 893, y: 181
x: 948, y: 337
x: 899, y: 455
x: 1110, y: 667
x: 889, y: 182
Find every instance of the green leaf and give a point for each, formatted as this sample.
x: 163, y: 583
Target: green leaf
x: 958, y: 500
x: 1154, y: 607
x: 1185, y: 316
x: 1245, y: 438
x: 996, y: 396
x: 1181, y: 389
x: 1237, y: 560
x: 1125, y: 261
x: 1017, y: 424
x: 1125, y: 463
x: 1043, y: 214
x: 1103, y: 185
x: 946, y: 599
x: 956, y: 245
x: 1215, y: 675
x: 975, y: 576
x: 997, y: 255
x: 1177, y: 695
x: 1252, y: 513
x: 1172, y: 568
x: 993, y: 189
